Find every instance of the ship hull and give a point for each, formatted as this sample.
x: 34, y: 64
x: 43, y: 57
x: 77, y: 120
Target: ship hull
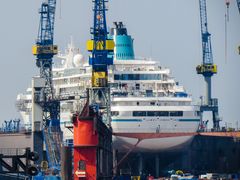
x: 134, y: 144
x: 145, y: 135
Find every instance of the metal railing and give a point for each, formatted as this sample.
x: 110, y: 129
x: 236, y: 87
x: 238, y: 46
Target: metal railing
x: 13, y: 151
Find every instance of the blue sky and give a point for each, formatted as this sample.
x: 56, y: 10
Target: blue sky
x: 167, y: 31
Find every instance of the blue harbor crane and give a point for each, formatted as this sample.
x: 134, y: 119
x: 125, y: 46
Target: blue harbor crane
x: 101, y: 48
x: 207, y: 68
x: 44, y: 50
x: 92, y: 129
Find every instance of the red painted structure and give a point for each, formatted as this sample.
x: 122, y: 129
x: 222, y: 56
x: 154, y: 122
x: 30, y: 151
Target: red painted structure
x: 92, y: 146
x: 85, y: 143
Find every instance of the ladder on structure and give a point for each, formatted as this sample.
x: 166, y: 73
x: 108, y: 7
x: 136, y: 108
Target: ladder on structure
x: 52, y: 137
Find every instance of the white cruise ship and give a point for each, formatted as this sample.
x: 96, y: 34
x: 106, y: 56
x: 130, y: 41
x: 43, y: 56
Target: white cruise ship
x: 145, y: 100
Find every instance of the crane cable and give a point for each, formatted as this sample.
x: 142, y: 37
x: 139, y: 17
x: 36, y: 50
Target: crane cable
x: 226, y: 28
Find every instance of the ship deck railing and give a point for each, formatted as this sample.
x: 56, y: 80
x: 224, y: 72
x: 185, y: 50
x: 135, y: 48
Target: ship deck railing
x: 136, y: 93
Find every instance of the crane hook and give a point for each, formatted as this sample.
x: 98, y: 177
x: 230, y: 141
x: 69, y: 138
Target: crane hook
x: 227, y: 10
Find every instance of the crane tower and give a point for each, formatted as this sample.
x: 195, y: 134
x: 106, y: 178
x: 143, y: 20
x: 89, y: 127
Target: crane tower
x: 207, y: 68
x: 92, y: 132
x: 101, y: 48
x: 44, y: 50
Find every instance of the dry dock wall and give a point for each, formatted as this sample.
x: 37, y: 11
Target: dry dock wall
x: 33, y: 140
x: 203, y: 154
x: 16, y: 140
x: 212, y: 154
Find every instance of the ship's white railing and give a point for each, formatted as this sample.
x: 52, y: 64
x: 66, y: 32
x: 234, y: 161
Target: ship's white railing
x: 139, y: 93
x: 155, y: 130
x: 139, y: 67
x: 65, y: 95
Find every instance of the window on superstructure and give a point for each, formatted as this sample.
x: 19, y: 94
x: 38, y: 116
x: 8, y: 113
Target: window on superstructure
x: 182, y: 103
x: 176, y: 113
x: 162, y: 113
x: 139, y: 113
x: 115, y: 113
x: 152, y: 103
x: 149, y: 93
x: 137, y: 77
x: 164, y: 77
x: 197, y: 113
x: 116, y: 77
x: 137, y: 86
x: 151, y: 113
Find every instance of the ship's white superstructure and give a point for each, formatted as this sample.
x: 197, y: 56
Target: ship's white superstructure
x: 145, y: 99
x: 24, y: 106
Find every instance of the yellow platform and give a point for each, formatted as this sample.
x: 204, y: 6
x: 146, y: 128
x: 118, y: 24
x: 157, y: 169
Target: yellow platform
x: 109, y: 45
x: 99, y: 79
x: 206, y: 68
x: 48, y: 49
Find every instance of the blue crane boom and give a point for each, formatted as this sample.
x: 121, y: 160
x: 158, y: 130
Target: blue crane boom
x: 206, y: 36
x: 46, y: 31
x: 207, y: 68
x: 44, y: 50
